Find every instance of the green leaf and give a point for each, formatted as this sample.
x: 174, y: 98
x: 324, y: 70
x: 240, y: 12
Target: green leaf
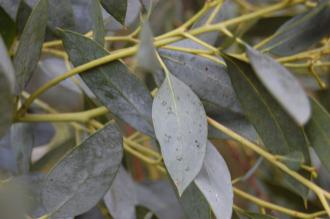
x: 113, y: 84
x: 214, y: 182
x: 82, y: 177
x: 98, y: 25
x: 181, y: 129
x: 7, y: 28
x: 116, y: 8
x: 146, y: 56
x: 278, y: 131
x: 206, y: 78
x: 36, y: 27
x: 22, y: 141
x: 301, y: 32
x: 318, y: 132
x: 121, y: 198
x: 282, y: 85
x: 7, y: 84
x: 60, y: 15
x: 194, y: 203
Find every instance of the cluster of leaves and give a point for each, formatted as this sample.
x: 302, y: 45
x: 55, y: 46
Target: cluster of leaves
x: 226, y: 74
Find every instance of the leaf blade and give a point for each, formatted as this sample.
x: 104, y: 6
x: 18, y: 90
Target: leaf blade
x: 113, y: 84
x: 181, y: 129
x: 85, y: 171
x: 116, y: 8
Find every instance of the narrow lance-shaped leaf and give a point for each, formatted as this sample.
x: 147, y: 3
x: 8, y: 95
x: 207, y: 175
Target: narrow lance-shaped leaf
x: 113, y: 84
x: 181, y: 129
x: 7, y: 84
x: 121, y: 199
x: 116, y: 8
x: 7, y: 28
x: 146, y: 57
x: 98, y: 25
x: 83, y: 176
x: 22, y: 141
x: 60, y: 14
x: 214, y: 182
x: 318, y: 132
x: 301, y: 32
x: 278, y: 131
x: 194, y: 203
x: 31, y: 40
x: 282, y: 85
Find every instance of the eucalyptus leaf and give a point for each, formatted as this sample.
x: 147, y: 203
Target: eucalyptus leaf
x: 181, y: 129
x: 121, y: 199
x: 83, y: 176
x: 7, y: 84
x: 301, y: 32
x: 318, y: 132
x: 60, y: 15
x: 98, y: 25
x: 282, y: 85
x: 22, y: 142
x: 146, y: 57
x: 194, y: 203
x: 214, y: 182
x: 116, y: 8
x: 7, y: 28
x: 278, y: 131
x: 113, y: 84
x: 36, y: 27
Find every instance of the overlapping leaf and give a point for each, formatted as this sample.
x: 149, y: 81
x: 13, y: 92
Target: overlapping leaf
x: 31, y: 40
x: 214, y: 182
x: 181, y: 129
x: 113, y: 84
x: 7, y: 84
x: 7, y: 28
x: 282, y: 85
x: 278, y: 131
x: 301, y: 32
x: 116, y: 8
x: 318, y: 132
x: 98, y: 25
x: 194, y: 203
x: 84, y: 175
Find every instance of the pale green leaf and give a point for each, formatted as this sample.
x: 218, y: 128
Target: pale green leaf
x: 181, y: 129
x: 282, y: 85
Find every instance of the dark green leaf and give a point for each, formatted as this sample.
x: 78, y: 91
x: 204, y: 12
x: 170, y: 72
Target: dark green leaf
x: 206, y: 78
x: 194, y: 203
x: 83, y: 176
x: 7, y: 28
x: 301, y: 32
x: 60, y: 14
x: 123, y: 93
x: 181, y: 129
x: 282, y: 85
x: 214, y: 182
x: 278, y: 131
x: 280, y: 134
x: 146, y: 57
x: 116, y: 8
x: 98, y: 25
x: 7, y: 84
x: 121, y: 198
x: 23, y: 13
x: 31, y: 40
x: 318, y: 132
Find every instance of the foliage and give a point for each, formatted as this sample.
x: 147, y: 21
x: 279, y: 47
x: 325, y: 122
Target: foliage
x: 101, y: 119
